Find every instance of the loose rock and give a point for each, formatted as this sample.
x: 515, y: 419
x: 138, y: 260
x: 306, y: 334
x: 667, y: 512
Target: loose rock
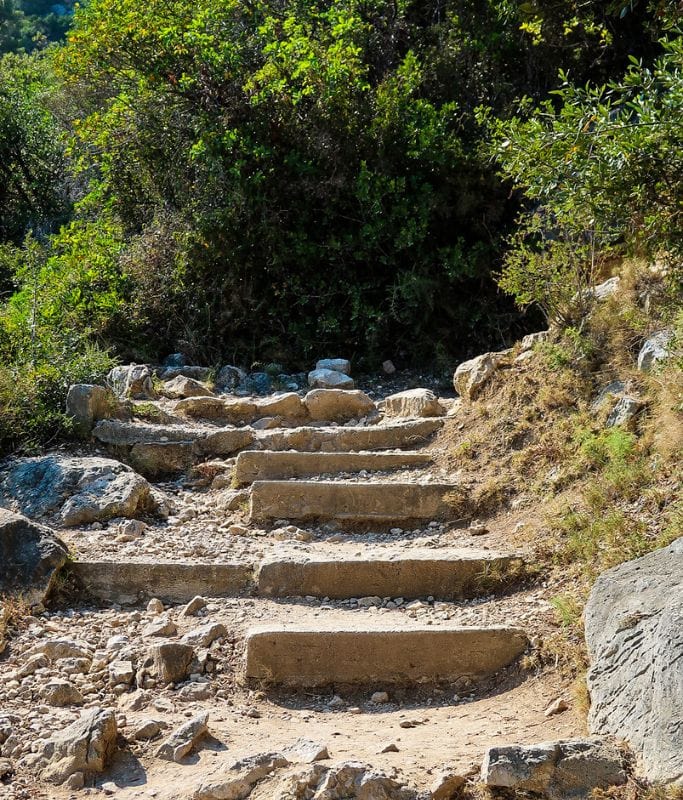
x: 558, y: 770
x: 184, y: 739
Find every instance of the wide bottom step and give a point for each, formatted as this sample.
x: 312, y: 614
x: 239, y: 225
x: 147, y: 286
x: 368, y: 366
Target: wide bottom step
x: 309, y: 656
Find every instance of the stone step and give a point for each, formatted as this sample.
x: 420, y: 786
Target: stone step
x: 155, y: 450
x: 135, y: 581
x: 352, y: 502
x: 420, y: 572
x: 330, y: 439
x: 312, y: 655
x: 259, y: 465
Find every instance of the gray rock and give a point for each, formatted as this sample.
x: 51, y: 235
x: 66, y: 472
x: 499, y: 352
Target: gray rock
x: 134, y: 382
x: 193, y: 607
x: 175, y: 360
x: 655, y: 350
x: 329, y: 379
x: 171, y: 661
x: 85, y: 404
x: 471, y: 376
x: 336, y: 405
x: 229, y: 378
x: 184, y: 739
x: 181, y: 386
x: 85, y: 746
x: 606, y: 289
x: 78, y: 490
x: 306, y: 751
x: 148, y: 729
x: 532, y: 339
x: 61, y: 693
x: 194, y: 373
x: 237, y: 782
x: 30, y: 557
x: 335, y: 364
x: 624, y: 413
x: 57, y: 649
x: 558, y: 770
x: 354, y: 779
x: 255, y: 383
x: 204, y: 636
x: 613, y: 389
x: 413, y: 403
x: 634, y: 633
x: 388, y: 367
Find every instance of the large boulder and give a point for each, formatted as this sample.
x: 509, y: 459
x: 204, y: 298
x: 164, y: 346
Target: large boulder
x: 132, y: 382
x: 634, y: 633
x: 337, y: 405
x: 413, y: 403
x: 86, y: 746
x: 85, y: 404
x: 557, y: 770
x: 471, y: 376
x: 329, y: 379
x: 655, y: 349
x: 30, y: 557
x: 76, y: 491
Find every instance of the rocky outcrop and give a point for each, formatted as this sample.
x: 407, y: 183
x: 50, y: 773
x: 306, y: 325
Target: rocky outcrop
x: 75, y: 490
x: 471, y: 376
x: 85, y: 404
x: 132, y: 382
x: 86, y: 746
x: 655, y: 350
x: 634, y: 633
x: 413, y: 403
x: 30, y: 557
x: 557, y: 770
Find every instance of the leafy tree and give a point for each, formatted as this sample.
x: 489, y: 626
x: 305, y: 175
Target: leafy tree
x: 603, y: 170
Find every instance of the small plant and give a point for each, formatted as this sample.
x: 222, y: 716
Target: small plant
x: 568, y: 609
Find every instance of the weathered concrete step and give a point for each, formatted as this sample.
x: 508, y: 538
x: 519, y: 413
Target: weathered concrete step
x: 134, y: 581
x: 443, y: 574
x: 307, y: 655
x: 342, y: 439
x: 259, y: 465
x: 155, y: 450
x: 351, y: 502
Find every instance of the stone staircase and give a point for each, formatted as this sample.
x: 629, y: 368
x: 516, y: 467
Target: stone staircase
x: 322, y: 474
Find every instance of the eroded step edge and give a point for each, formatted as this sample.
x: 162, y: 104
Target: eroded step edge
x: 254, y: 465
x: 343, y: 439
x: 354, y: 502
x: 135, y: 581
x: 305, y: 656
x: 435, y: 573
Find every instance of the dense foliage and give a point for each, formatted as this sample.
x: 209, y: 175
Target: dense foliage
x: 27, y: 25
x: 279, y: 180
